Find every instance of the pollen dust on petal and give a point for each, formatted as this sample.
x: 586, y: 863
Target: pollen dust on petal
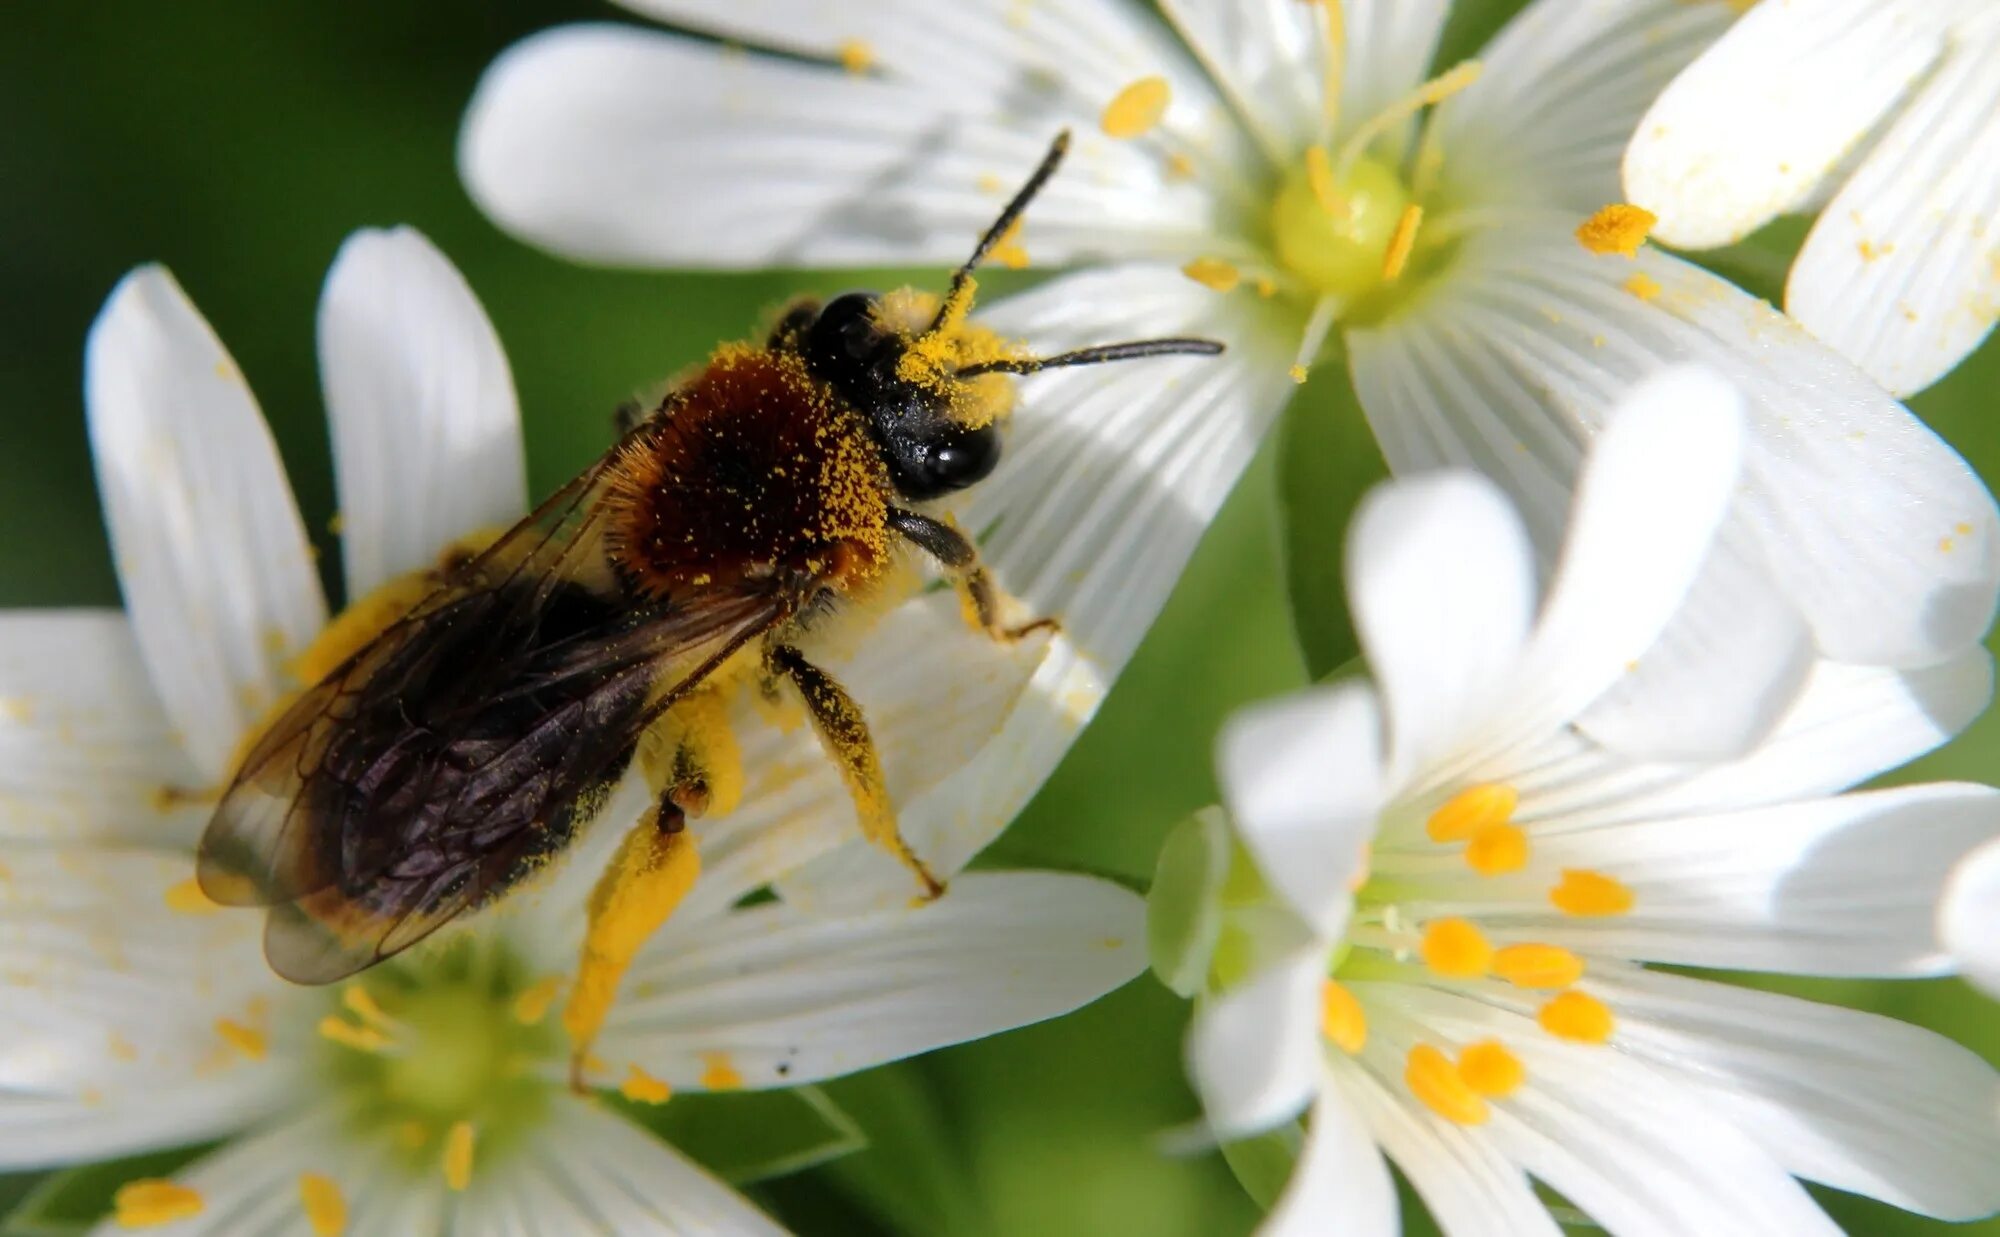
x: 1642, y: 285
x: 642, y: 1088
x: 1134, y: 110
x: 1618, y: 228
x: 719, y: 1073
x: 856, y: 56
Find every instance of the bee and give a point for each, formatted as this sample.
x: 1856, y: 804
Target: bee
x: 471, y: 736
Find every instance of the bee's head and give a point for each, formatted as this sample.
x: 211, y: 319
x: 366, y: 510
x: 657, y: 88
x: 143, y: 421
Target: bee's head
x: 930, y: 447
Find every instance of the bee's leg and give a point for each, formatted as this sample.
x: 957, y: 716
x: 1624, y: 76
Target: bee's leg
x: 691, y: 760
x: 843, y: 731
x: 976, y: 589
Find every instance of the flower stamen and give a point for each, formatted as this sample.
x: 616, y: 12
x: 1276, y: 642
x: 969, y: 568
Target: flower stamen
x: 1490, y: 1070
x: 1402, y: 242
x: 360, y: 1039
x: 1434, y: 1080
x: 1456, y: 949
x: 1585, y: 893
x: 1475, y: 808
x: 325, y: 1208
x: 1430, y: 94
x: 151, y: 1201
x: 1136, y: 109
x: 458, y: 1147
x: 1619, y: 228
x: 1577, y: 1016
x: 1497, y: 849
x: 1537, y: 966
x: 1341, y: 1019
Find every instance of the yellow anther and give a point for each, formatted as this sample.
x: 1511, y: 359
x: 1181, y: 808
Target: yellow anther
x: 1298, y: 374
x: 1213, y: 273
x: 149, y: 1201
x: 856, y: 56
x: 458, y: 1155
x: 325, y: 1208
x: 245, y: 1039
x: 186, y: 898
x: 642, y: 1088
x: 361, y: 1003
x: 1497, y: 850
x: 1618, y: 228
x: 1433, y: 1079
x: 1488, y: 1068
x: 1402, y: 242
x: 1137, y: 108
x: 1642, y: 286
x: 1578, y: 1016
x: 347, y: 1035
x: 1583, y: 892
x: 719, y: 1073
x: 1470, y: 810
x: 1456, y: 949
x: 532, y: 1005
x: 1537, y: 966
x: 1336, y: 59
x: 1319, y: 178
x: 1430, y: 94
x: 1341, y: 1018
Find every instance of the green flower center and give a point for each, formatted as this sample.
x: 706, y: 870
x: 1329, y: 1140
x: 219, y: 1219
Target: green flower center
x: 1340, y: 234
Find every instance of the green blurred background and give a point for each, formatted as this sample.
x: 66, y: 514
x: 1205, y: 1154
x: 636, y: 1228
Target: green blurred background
x: 238, y: 141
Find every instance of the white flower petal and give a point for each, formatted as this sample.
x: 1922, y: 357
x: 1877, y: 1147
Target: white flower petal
x: 1749, y: 130
x: 426, y: 434
x: 1969, y: 917
x: 1254, y: 1053
x: 212, y: 556
x: 588, y: 1170
x: 1857, y: 1101
x: 1851, y: 723
x: 1900, y: 272
x: 1339, y: 1184
x: 786, y: 998
x: 112, y: 1000
x: 616, y: 144
x: 1441, y: 581
x: 85, y: 751
x: 1872, y: 526
x: 1111, y: 476
x: 1466, y: 1185
x: 1842, y: 886
x: 1562, y: 87
x: 1303, y: 780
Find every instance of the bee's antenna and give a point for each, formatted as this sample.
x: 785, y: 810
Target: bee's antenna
x: 1009, y: 215
x: 1095, y: 356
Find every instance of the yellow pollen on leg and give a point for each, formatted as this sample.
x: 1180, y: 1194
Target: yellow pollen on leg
x: 1537, y: 966
x: 1134, y: 110
x: 532, y: 1005
x: 1497, y: 850
x: 1213, y: 273
x: 1586, y: 893
x: 1618, y: 228
x: 1402, y: 242
x: 458, y: 1144
x: 640, y: 888
x: 1433, y: 1079
x: 1577, y: 1016
x: 642, y: 1088
x: 1341, y: 1018
x: 1489, y: 1069
x: 325, y: 1208
x: 1456, y: 949
x: 1470, y: 810
x: 150, y: 1201
x: 247, y: 1040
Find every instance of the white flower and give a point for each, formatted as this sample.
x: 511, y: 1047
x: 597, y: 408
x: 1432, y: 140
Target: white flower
x: 1470, y: 889
x: 1969, y: 917
x: 429, y: 1096
x: 1885, y: 112
x: 889, y: 131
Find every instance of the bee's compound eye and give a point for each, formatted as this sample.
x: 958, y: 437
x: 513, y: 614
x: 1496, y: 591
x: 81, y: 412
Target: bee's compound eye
x: 937, y: 464
x: 845, y: 337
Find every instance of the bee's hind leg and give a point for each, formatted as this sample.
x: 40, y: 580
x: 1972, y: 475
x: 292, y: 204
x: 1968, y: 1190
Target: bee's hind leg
x: 843, y: 731
x: 691, y: 760
x: 981, y: 596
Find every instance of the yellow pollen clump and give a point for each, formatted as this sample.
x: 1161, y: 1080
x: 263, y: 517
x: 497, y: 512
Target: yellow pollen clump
x: 1136, y: 109
x: 1497, y: 849
x: 1402, y: 242
x: 719, y: 1073
x: 186, y: 898
x: 1213, y: 273
x: 1456, y: 949
x: 153, y: 1200
x: 1537, y: 966
x: 648, y: 877
x: 1590, y: 893
x: 1433, y: 1079
x: 532, y: 1005
x: 326, y: 1210
x: 1642, y: 285
x: 347, y: 1035
x: 642, y: 1088
x: 1618, y: 228
x: 1489, y: 1069
x: 1470, y: 810
x: 245, y: 1039
x: 1577, y: 1016
x: 458, y: 1155
x: 1341, y: 1018
x: 856, y: 56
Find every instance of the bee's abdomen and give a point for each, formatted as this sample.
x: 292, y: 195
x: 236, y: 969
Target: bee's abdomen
x: 754, y: 467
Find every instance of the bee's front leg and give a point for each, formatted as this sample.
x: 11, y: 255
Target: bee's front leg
x: 843, y: 731
x: 982, y: 597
